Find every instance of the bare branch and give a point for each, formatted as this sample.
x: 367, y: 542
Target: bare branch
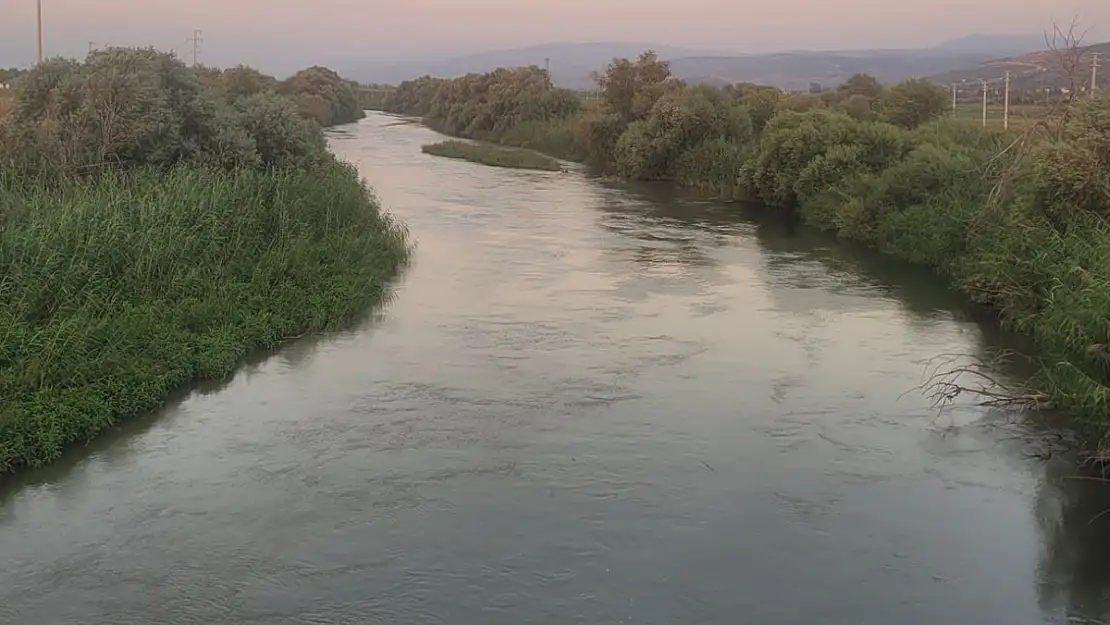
x: 951, y: 376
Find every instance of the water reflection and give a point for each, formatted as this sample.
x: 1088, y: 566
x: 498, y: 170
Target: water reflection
x: 1073, y: 513
x: 1071, y: 505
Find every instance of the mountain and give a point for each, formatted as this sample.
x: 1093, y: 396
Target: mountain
x: 1028, y: 72
x: 797, y: 70
x: 571, y: 63
x: 998, y: 45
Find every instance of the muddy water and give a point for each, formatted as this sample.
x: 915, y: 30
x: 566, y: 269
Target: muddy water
x: 585, y: 404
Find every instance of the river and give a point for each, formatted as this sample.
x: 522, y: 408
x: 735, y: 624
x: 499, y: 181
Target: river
x: 584, y: 404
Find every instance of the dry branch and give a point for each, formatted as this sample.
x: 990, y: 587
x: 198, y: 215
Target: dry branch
x: 951, y: 376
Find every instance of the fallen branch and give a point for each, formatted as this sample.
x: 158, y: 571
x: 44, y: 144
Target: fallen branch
x: 951, y: 376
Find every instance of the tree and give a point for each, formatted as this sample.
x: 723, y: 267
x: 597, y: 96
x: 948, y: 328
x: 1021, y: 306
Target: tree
x: 861, y: 84
x: 860, y: 107
x: 629, y: 89
x: 913, y: 102
x: 327, y: 84
x: 761, y: 101
x: 652, y: 147
x: 242, y: 81
x: 124, y: 108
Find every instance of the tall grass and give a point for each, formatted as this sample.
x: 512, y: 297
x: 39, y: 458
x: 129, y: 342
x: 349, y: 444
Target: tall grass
x: 119, y: 288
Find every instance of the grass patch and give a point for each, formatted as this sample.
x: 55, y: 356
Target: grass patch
x: 493, y: 155
x: 120, y: 288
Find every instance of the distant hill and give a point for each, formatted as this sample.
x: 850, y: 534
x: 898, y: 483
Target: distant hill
x: 1028, y: 72
x: 571, y: 63
x: 998, y: 45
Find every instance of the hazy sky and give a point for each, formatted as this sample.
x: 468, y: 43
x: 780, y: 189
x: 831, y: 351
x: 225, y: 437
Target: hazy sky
x: 273, y: 34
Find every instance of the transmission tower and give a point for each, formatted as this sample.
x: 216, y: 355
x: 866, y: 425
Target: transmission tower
x: 196, y: 40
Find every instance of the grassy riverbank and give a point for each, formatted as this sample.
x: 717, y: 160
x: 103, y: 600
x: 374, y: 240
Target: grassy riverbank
x: 1016, y: 221
x: 137, y: 262
x: 492, y: 155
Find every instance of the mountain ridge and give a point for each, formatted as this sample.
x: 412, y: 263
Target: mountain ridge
x: 571, y: 63
x: 1033, y: 71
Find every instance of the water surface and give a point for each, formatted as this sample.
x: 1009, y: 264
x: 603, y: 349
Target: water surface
x: 585, y: 404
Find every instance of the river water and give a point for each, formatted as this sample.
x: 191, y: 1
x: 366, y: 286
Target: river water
x: 585, y: 404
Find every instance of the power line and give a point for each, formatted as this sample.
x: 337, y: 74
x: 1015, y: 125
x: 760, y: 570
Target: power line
x: 1094, y: 72
x: 1006, y: 104
x: 984, y: 101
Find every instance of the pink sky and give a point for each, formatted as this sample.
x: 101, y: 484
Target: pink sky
x: 269, y: 32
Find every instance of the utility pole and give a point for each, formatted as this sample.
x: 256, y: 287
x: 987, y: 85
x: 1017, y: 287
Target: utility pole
x: 953, y: 98
x: 197, y: 38
x: 984, y: 101
x: 38, y: 57
x: 1006, y: 105
x: 1094, y: 72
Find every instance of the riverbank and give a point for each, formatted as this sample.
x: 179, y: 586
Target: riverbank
x: 1016, y: 225
x: 492, y: 155
x: 141, y: 256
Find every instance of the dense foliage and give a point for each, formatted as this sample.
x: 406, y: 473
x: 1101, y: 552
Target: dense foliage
x: 123, y: 108
x: 484, y: 106
x: 324, y: 95
x: 1022, y: 230
x: 157, y: 223
x: 10, y: 75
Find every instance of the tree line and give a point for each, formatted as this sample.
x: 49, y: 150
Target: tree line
x: 1016, y: 220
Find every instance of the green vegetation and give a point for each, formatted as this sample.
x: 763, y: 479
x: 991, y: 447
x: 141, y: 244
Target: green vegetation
x: 319, y: 93
x: 1022, y: 116
x: 154, y: 229
x: 493, y: 155
x: 1019, y: 222
x: 10, y: 75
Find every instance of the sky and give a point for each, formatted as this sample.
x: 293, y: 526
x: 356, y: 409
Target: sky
x: 282, y: 34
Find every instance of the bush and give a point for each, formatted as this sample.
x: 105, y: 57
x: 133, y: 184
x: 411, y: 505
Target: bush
x: 652, y: 148
x: 714, y: 165
x: 913, y: 102
x: 281, y: 136
x: 340, y: 95
x: 128, y: 108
